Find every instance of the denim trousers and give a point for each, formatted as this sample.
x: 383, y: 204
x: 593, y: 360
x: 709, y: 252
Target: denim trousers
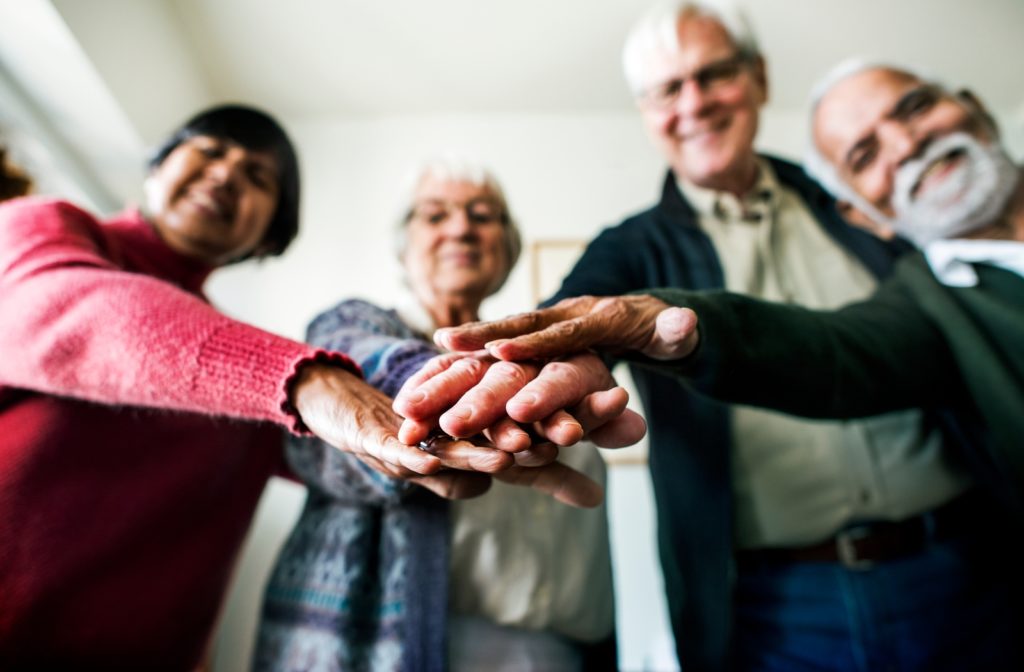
x: 951, y: 607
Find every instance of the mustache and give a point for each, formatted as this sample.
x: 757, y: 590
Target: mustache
x: 911, y: 174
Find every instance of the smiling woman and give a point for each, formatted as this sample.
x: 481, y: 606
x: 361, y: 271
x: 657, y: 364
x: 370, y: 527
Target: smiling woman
x: 126, y: 492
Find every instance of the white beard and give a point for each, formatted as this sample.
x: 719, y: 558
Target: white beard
x: 972, y: 195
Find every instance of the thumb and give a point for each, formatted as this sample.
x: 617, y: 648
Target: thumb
x: 675, y: 334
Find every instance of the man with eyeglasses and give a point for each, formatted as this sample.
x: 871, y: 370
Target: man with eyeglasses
x: 736, y: 487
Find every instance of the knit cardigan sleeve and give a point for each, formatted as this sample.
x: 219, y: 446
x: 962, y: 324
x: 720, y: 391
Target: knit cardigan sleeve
x: 74, y: 323
x: 388, y: 352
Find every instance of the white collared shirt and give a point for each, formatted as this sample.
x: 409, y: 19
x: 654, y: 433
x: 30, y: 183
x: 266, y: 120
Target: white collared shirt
x: 951, y: 260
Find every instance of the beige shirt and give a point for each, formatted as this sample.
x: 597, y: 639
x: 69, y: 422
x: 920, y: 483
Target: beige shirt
x: 521, y: 559
x: 796, y: 481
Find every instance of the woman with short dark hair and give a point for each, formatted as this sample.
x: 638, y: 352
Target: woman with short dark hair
x: 139, y: 424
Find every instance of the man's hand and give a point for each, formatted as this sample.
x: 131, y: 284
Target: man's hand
x: 638, y: 323
x: 560, y: 401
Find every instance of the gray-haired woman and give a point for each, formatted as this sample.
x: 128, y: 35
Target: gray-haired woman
x: 381, y: 575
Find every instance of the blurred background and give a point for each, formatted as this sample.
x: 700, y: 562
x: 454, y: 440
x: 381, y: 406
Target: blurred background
x: 368, y: 89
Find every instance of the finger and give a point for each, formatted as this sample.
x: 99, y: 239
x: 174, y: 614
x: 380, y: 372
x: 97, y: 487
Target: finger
x: 560, y: 384
x: 561, y: 338
x: 412, y: 432
x: 484, y: 404
x: 599, y: 408
x: 675, y: 334
x: 389, y: 449
x: 537, y: 455
x: 455, y: 484
x: 623, y: 431
x: 439, y: 392
x: 559, y: 481
x: 469, y: 457
x: 507, y: 435
x: 560, y: 428
x: 474, y: 335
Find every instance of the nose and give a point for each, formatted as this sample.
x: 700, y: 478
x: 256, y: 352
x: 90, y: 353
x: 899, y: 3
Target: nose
x: 898, y: 141
x: 692, y: 100
x: 458, y: 224
x: 226, y: 169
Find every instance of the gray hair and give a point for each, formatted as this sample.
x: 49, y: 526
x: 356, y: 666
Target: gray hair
x: 656, y: 33
x: 455, y: 168
x: 815, y: 164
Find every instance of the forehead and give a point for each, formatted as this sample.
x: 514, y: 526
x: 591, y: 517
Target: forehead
x: 855, y: 105
x: 701, y: 39
x: 432, y: 187
x: 262, y: 156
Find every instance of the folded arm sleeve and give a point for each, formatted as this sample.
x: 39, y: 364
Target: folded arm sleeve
x: 879, y: 355
x: 75, y: 324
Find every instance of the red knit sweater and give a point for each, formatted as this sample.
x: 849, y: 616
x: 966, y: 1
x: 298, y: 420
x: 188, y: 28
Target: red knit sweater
x: 130, y: 456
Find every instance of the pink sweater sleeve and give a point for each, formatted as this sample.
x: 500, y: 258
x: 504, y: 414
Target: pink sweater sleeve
x: 72, y: 323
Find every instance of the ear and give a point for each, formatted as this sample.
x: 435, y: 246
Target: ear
x: 976, y: 106
x: 760, y: 73
x: 856, y: 217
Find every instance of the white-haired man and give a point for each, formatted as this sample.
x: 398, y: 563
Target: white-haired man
x: 737, y: 488
x: 946, y: 330
x: 734, y: 485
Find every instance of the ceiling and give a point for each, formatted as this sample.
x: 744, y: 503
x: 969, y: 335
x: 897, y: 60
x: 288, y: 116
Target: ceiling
x: 111, y: 76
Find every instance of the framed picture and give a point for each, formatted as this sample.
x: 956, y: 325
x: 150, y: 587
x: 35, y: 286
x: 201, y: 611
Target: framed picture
x: 550, y: 261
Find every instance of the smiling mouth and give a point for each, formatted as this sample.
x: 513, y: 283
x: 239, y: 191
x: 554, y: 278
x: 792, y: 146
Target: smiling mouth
x: 938, y: 168
x: 217, y: 207
x: 705, y: 130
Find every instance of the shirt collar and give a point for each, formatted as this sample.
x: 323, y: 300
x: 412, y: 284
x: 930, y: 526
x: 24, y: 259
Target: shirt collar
x: 951, y: 260
x: 759, y: 201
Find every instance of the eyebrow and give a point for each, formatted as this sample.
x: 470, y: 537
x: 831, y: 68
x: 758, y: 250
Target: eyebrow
x: 900, y: 109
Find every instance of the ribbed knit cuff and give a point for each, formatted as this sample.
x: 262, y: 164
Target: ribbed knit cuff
x: 296, y: 425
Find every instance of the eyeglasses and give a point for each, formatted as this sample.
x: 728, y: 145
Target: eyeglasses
x: 478, y: 211
x: 712, y: 77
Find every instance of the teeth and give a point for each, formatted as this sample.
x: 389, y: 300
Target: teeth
x: 209, y: 202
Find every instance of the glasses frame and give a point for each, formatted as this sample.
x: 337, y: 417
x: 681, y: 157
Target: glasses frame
x: 710, y: 77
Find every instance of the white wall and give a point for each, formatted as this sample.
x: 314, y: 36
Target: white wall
x: 565, y: 177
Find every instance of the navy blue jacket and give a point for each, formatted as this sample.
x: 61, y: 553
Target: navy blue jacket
x: 689, y: 434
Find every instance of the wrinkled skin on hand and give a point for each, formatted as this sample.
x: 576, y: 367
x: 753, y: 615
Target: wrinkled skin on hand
x: 639, y: 323
x: 350, y: 415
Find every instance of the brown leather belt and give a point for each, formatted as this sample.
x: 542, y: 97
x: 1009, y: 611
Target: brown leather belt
x: 860, y: 546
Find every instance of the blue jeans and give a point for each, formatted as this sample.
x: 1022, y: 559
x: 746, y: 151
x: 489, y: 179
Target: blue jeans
x: 950, y: 607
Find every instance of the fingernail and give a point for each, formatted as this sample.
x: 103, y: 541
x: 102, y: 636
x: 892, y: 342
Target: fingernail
x: 528, y: 398
x: 414, y: 397
x: 495, y: 343
x: 459, y: 413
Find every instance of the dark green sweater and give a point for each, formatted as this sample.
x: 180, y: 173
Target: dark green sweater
x: 916, y: 342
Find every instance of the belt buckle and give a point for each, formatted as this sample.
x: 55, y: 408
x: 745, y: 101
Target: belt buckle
x: 847, y: 550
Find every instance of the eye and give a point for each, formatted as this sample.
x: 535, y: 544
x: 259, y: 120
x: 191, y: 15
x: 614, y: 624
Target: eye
x: 863, y: 158
x: 916, y: 102
x: 208, y: 147
x: 667, y: 92
x: 484, y: 213
x: 261, y: 177
x: 717, y: 73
